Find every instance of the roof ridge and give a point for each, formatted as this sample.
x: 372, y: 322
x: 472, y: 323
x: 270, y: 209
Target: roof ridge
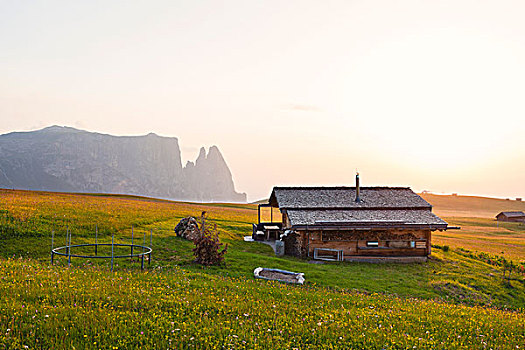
x: 340, y: 187
x: 427, y: 208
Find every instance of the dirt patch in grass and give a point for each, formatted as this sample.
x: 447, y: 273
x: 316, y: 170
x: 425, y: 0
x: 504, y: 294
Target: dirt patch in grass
x: 278, y: 276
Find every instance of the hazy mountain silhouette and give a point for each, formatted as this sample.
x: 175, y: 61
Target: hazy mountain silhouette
x: 67, y: 159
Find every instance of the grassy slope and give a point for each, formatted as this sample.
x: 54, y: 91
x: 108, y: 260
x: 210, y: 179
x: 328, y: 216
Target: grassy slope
x: 471, y: 206
x: 477, y: 234
x: 53, y: 307
x: 479, y: 229
x: 453, y: 276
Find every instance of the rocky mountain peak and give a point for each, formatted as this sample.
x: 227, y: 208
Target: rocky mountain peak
x: 210, y: 174
x: 66, y: 159
x: 202, y: 156
x: 215, y: 154
x: 59, y: 129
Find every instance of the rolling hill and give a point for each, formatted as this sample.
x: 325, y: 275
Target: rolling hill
x: 471, y: 206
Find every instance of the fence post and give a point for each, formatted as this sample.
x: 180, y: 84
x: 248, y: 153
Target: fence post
x: 96, y: 239
x: 52, y: 244
x: 150, y: 240
x: 131, y: 257
x: 69, y: 252
x: 112, y: 242
x: 67, y: 237
x: 142, y: 256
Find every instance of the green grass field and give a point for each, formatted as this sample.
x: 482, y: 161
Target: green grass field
x: 458, y: 299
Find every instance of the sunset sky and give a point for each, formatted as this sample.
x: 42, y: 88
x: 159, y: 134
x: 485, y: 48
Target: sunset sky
x: 426, y: 94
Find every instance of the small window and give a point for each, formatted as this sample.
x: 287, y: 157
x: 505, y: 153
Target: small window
x: 421, y: 244
x: 372, y: 244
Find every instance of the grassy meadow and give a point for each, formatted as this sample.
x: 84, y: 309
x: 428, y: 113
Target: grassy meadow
x: 479, y: 229
x: 458, y: 299
x: 471, y: 206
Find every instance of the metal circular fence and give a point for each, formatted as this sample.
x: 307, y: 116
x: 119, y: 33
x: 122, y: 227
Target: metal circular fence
x: 66, y: 251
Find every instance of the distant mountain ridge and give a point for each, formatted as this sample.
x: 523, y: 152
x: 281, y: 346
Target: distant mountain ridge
x: 66, y: 159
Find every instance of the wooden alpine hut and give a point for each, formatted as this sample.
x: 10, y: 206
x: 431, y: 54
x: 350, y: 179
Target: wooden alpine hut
x: 511, y: 216
x: 350, y: 223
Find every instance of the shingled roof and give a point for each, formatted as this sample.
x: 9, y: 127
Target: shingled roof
x: 344, y: 197
x: 390, y: 218
x: 388, y: 207
x: 512, y: 214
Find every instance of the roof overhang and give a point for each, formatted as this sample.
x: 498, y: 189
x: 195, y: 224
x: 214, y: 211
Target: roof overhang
x: 354, y: 208
x: 369, y: 226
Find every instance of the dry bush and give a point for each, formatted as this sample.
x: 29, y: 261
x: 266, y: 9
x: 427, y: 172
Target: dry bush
x: 207, y: 245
